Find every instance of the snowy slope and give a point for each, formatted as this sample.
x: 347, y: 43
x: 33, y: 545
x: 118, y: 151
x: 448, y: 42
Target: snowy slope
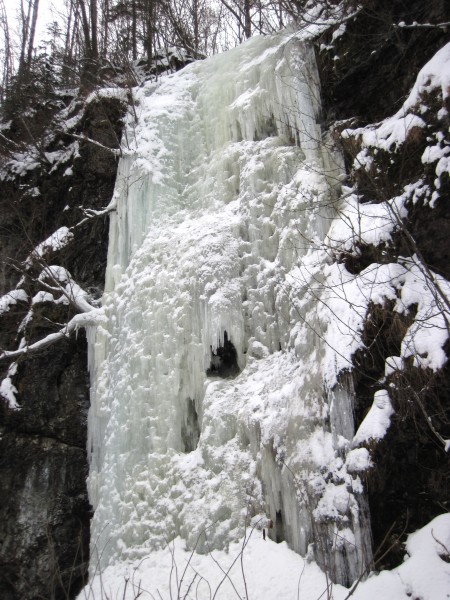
x: 264, y: 570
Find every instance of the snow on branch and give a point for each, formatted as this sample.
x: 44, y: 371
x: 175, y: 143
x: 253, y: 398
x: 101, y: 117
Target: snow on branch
x: 11, y: 298
x: 56, y: 279
x: 415, y: 25
x: 90, y: 213
x: 8, y: 390
x: 77, y: 322
x: 53, y: 278
x: 60, y: 238
x: 56, y: 241
x: 61, y: 281
x: 115, y: 151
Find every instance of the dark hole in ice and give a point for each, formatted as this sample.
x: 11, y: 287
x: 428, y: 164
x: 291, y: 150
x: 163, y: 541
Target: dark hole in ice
x: 239, y: 132
x: 224, y: 360
x: 265, y: 129
x: 190, y: 430
x: 279, y: 528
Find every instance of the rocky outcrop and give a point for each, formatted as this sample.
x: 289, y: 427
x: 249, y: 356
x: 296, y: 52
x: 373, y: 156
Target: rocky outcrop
x: 368, y: 69
x: 45, y: 512
x: 369, y: 63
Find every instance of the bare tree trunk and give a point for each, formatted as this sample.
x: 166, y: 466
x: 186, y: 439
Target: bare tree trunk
x: 94, y: 30
x: 150, y: 29
x: 247, y: 19
x: 71, y: 40
x: 69, y: 37
x: 106, y: 19
x: 32, y: 32
x: 90, y: 30
x: 7, y: 65
x: 85, y: 26
x: 280, y: 14
x: 134, y: 29
x: 88, y: 79
x: 25, y: 25
x: 237, y: 12
x: 195, y: 20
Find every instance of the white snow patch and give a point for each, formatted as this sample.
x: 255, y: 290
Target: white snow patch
x: 8, y: 390
x: 56, y: 241
x: 358, y: 460
x: 377, y: 421
x: 364, y: 223
x: 11, y: 298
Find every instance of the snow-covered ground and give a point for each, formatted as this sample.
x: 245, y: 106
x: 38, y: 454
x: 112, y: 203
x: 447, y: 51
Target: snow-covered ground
x: 257, y: 569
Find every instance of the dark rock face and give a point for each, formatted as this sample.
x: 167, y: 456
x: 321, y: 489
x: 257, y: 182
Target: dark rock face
x: 431, y: 231
x: 410, y: 483
x: 371, y: 67
x: 44, y: 511
x: 377, y: 66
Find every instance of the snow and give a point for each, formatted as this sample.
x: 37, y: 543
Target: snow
x: 268, y: 570
x: 433, y: 153
x: 107, y: 92
x: 11, y: 299
x: 56, y: 241
x: 358, y: 460
x: 364, y: 223
x: 8, y: 390
x: 59, y: 157
x: 21, y: 164
x: 58, y: 279
x: 377, y: 420
x: 426, y: 337
x: 391, y: 132
x: 42, y: 296
x: 434, y: 75
x: 427, y: 571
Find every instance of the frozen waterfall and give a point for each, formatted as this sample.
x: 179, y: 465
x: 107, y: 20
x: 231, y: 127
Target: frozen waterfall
x: 216, y: 402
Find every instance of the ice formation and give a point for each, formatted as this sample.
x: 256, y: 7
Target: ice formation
x: 216, y: 401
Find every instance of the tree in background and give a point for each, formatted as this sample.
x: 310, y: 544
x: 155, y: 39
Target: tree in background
x: 28, y: 18
x: 121, y: 31
x: 5, y: 52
